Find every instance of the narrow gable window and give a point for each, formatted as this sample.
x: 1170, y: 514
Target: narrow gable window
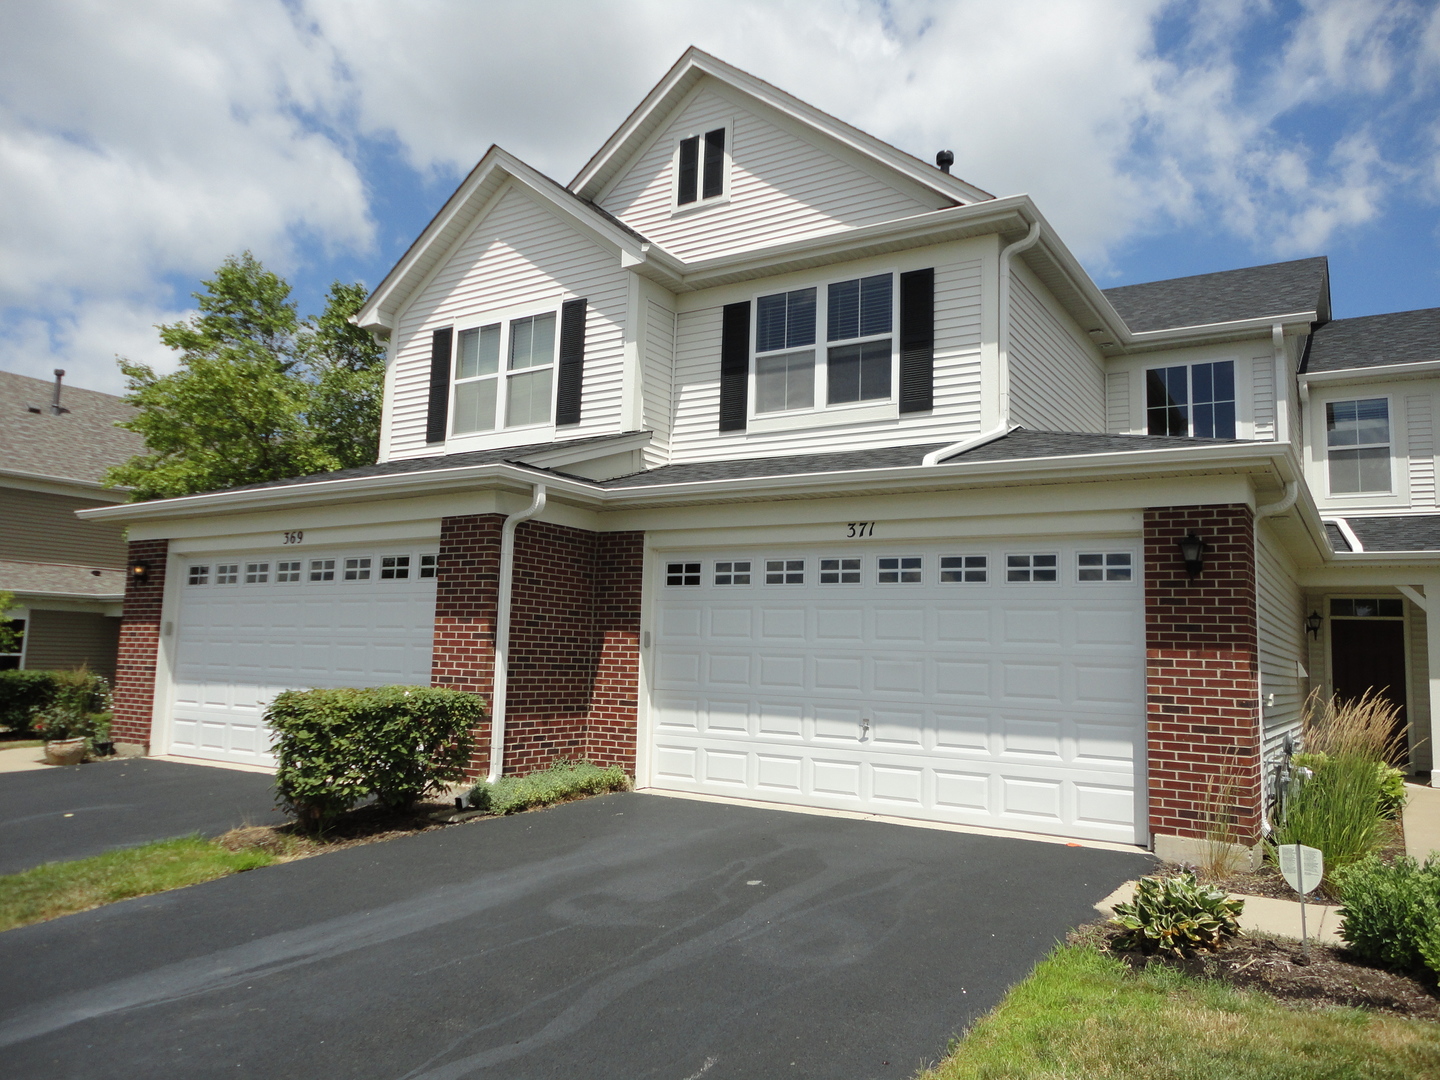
x: 1357, y: 441
x: 700, y: 168
x: 1194, y: 400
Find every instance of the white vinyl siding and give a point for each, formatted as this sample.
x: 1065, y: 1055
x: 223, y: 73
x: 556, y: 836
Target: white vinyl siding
x: 1056, y: 378
x: 1282, y: 640
x: 957, y: 385
x: 519, y: 253
x: 782, y: 187
x: 658, y: 379
x: 1262, y: 380
x: 1117, y: 402
x: 1420, y: 423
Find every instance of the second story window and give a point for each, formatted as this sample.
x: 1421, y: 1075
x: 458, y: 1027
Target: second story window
x: 1357, y: 443
x: 859, y: 311
x: 1196, y: 400
x: 522, y: 394
x: 700, y: 168
x: 785, y: 351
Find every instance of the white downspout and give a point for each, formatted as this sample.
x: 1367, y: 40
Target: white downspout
x: 1285, y: 502
x: 1003, y: 344
x: 502, y: 631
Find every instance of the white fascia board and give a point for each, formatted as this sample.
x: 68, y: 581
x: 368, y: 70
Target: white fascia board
x: 61, y: 485
x: 1189, y: 335
x: 1416, y: 370
x: 493, y: 169
x: 1380, y: 558
x: 1245, y: 457
x: 618, y: 149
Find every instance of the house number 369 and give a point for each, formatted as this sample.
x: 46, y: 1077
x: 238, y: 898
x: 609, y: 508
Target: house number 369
x: 295, y: 537
x: 857, y: 529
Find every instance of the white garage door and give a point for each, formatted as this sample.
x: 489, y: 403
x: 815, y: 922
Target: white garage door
x: 998, y: 685
x: 253, y: 625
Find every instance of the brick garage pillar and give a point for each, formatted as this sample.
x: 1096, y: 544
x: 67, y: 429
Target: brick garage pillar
x: 466, y: 585
x: 134, y: 688
x: 1202, y: 677
x: 613, y: 722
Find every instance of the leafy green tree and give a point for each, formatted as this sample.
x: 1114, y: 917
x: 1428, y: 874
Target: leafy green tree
x: 9, y: 636
x: 258, y: 395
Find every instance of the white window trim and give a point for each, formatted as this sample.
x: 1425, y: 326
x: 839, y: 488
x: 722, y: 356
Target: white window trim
x: 701, y: 203
x: 19, y: 613
x: 501, y: 435
x: 823, y: 414
x: 1322, y: 443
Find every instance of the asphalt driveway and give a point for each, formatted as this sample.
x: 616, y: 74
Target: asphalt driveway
x: 68, y: 813
x: 630, y: 936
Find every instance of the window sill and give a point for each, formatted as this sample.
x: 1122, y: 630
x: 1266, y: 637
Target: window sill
x: 494, y: 440
x: 822, y: 418
x: 701, y: 205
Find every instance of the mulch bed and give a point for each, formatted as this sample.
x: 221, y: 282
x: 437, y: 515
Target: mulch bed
x: 1333, y: 976
x: 365, y: 825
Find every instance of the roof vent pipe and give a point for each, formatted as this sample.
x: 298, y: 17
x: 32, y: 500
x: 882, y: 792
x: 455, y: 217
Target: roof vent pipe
x: 55, y: 408
x: 944, y: 159
x: 502, y: 631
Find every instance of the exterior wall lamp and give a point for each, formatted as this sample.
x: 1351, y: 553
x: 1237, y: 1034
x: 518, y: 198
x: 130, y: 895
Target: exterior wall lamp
x: 140, y: 572
x: 1312, y: 624
x: 1192, y: 550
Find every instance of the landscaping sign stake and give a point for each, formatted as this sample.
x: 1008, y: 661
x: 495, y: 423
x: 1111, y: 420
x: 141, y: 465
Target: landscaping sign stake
x: 1302, y: 867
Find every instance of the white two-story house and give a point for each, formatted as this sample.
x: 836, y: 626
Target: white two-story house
x: 776, y: 464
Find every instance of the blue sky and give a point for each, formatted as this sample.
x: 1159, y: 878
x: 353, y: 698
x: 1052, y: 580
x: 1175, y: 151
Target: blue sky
x: 141, y: 143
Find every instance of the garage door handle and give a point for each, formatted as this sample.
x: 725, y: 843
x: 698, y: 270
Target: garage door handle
x: 864, y: 728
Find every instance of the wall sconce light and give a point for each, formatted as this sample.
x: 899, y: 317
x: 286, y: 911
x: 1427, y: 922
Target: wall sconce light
x: 1312, y: 624
x: 1192, y: 550
x: 139, y: 572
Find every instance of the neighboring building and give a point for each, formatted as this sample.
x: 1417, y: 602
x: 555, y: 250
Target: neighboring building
x: 832, y: 481
x: 67, y: 575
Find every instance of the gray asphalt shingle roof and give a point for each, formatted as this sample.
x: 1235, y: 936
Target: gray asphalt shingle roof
x: 1420, y: 532
x: 80, y: 444
x: 1250, y: 293
x: 1401, y: 337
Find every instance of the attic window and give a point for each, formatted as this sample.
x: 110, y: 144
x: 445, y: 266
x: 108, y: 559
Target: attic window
x: 700, y: 168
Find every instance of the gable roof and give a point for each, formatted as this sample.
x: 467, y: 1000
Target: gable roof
x: 464, y: 208
x: 653, y: 112
x: 1401, y: 337
x: 1251, y: 293
x: 79, y: 444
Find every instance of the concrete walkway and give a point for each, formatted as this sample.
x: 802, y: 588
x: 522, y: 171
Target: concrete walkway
x: 25, y: 759
x: 1262, y: 913
x: 1422, y: 821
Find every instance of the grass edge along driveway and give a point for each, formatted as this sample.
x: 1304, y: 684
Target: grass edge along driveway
x: 1084, y: 1014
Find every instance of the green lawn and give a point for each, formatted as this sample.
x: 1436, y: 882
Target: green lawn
x: 62, y: 888
x: 1082, y: 1014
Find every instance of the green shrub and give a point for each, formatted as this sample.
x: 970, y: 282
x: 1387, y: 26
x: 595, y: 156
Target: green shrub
x: 1177, y: 915
x: 22, y: 695
x: 67, y: 704
x: 562, y: 780
x: 1337, y: 810
x: 1391, y: 913
x: 336, y: 748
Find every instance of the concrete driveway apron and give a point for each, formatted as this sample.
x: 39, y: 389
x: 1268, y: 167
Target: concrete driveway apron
x: 70, y: 813
x: 631, y: 936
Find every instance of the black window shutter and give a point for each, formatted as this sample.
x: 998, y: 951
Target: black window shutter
x: 440, y: 342
x: 689, y: 170
x: 572, y: 362
x: 917, y: 340
x: 714, y: 183
x: 734, y: 365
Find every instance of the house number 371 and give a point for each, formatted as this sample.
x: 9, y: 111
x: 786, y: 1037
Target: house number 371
x: 856, y: 529
x: 295, y: 537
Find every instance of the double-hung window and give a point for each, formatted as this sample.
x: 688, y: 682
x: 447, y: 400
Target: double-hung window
x: 522, y: 393
x: 1357, y: 443
x: 1196, y: 400
x: 856, y: 366
x: 700, y: 168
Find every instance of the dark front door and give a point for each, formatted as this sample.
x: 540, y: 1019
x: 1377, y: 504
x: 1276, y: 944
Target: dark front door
x: 1369, y: 654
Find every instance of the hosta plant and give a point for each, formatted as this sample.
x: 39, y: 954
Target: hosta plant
x: 1177, y: 915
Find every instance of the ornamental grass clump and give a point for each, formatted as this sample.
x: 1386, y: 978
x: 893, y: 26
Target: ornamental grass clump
x: 1390, y: 912
x: 336, y: 748
x: 1349, y: 786
x: 1177, y: 916
x: 562, y: 780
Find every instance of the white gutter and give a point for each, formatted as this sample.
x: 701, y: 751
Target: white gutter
x: 502, y: 631
x: 934, y: 457
x: 1003, y: 328
x: 1285, y: 502
x: 1379, y: 371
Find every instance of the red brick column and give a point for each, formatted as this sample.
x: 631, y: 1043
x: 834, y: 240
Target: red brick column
x: 466, y: 586
x: 1202, y: 676
x: 614, y: 703
x: 134, y: 689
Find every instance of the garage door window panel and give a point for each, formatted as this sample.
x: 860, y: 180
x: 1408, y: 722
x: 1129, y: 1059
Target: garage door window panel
x: 357, y: 569
x: 257, y: 573
x: 785, y: 572
x: 394, y: 567
x: 429, y: 564
x: 732, y: 572
x: 1112, y: 566
x: 227, y: 574
x: 964, y: 569
x: 900, y: 570
x: 199, y: 575
x: 1032, y: 569
x: 322, y: 570
x: 287, y: 571
x: 841, y: 571
x: 682, y: 574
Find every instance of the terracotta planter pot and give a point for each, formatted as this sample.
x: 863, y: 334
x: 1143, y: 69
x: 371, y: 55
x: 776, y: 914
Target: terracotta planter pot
x: 65, y: 751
